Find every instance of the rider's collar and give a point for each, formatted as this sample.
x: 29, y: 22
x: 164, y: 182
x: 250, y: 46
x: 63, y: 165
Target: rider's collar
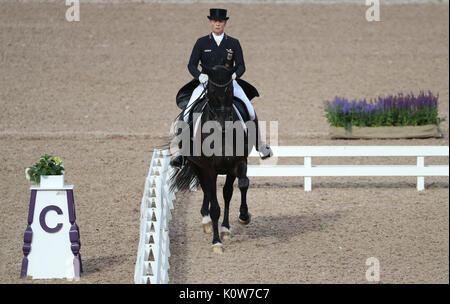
x: 218, y: 38
x: 223, y: 35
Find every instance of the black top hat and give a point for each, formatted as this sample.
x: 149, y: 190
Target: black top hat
x: 217, y: 14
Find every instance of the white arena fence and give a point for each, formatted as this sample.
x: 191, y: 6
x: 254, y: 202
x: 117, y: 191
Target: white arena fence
x: 307, y: 170
x: 152, y: 263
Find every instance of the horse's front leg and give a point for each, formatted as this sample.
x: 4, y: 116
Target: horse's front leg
x: 204, y: 211
x: 227, y: 194
x: 206, y: 218
x: 243, y: 184
x: 214, y: 211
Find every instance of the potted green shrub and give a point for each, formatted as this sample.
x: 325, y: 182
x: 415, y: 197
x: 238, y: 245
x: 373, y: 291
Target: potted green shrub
x: 48, y: 172
x: 399, y: 116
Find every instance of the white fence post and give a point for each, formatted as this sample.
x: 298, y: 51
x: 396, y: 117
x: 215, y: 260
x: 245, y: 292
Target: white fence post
x: 307, y: 182
x: 420, y: 179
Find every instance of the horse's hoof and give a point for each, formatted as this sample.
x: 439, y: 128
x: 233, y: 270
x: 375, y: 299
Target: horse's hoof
x: 207, y: 228
x: 245, y: 222
x: 225, y: 233
x: 217, y: 248
x: 207, y: 224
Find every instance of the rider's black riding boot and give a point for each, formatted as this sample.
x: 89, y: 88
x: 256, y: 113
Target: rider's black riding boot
x: 261, y: 146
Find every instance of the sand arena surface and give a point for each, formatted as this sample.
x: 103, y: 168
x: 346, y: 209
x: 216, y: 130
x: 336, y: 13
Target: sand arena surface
x: 100, y: 94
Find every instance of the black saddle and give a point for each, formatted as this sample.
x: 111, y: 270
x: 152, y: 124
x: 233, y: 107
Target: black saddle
x: 198, y: 106
x: 184, y: 94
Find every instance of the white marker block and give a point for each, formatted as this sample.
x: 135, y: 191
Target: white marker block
x: 52, y: 239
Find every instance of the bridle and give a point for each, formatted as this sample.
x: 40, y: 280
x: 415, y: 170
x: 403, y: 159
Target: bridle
x: 211, y: 109
x: 221, y: 85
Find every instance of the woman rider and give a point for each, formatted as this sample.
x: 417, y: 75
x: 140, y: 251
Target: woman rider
x: 211, y: 50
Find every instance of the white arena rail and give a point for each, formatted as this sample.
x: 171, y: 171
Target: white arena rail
x: 152, y: 263
x: 307, y: 170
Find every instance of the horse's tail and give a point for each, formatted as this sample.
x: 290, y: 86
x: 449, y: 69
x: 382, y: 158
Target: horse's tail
x: 184, y: 179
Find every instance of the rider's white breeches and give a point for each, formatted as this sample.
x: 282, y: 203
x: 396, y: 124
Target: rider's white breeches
x: 237, y: 91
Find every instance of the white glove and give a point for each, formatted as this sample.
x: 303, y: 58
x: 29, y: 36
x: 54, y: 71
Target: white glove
x: 203, y: 78
x: 233, y: 76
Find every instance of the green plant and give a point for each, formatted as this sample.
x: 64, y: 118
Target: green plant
x: 47, y: 165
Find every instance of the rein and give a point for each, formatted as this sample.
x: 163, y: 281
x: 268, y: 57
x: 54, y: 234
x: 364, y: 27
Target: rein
x: 192, y: 105
x: 220, y: 85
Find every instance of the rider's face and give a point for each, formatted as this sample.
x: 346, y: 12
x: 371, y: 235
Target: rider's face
x: 217, y: 26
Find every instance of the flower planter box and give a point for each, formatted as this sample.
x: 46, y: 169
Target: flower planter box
x: 51, y: 181
x: 386, y: 132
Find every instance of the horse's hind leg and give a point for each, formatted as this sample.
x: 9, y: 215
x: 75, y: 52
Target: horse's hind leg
x: 225, y: 233
x: 243, y: 184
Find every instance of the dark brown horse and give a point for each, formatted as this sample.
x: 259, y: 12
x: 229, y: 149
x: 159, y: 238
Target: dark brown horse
x: 204, y: 168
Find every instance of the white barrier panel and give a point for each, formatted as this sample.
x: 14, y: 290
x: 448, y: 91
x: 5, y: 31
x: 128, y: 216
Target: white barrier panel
x: 420, y: 170
x: 152, y: 263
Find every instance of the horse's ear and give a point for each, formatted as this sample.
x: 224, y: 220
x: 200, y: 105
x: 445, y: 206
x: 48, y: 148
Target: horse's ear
x: 205, y: 69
